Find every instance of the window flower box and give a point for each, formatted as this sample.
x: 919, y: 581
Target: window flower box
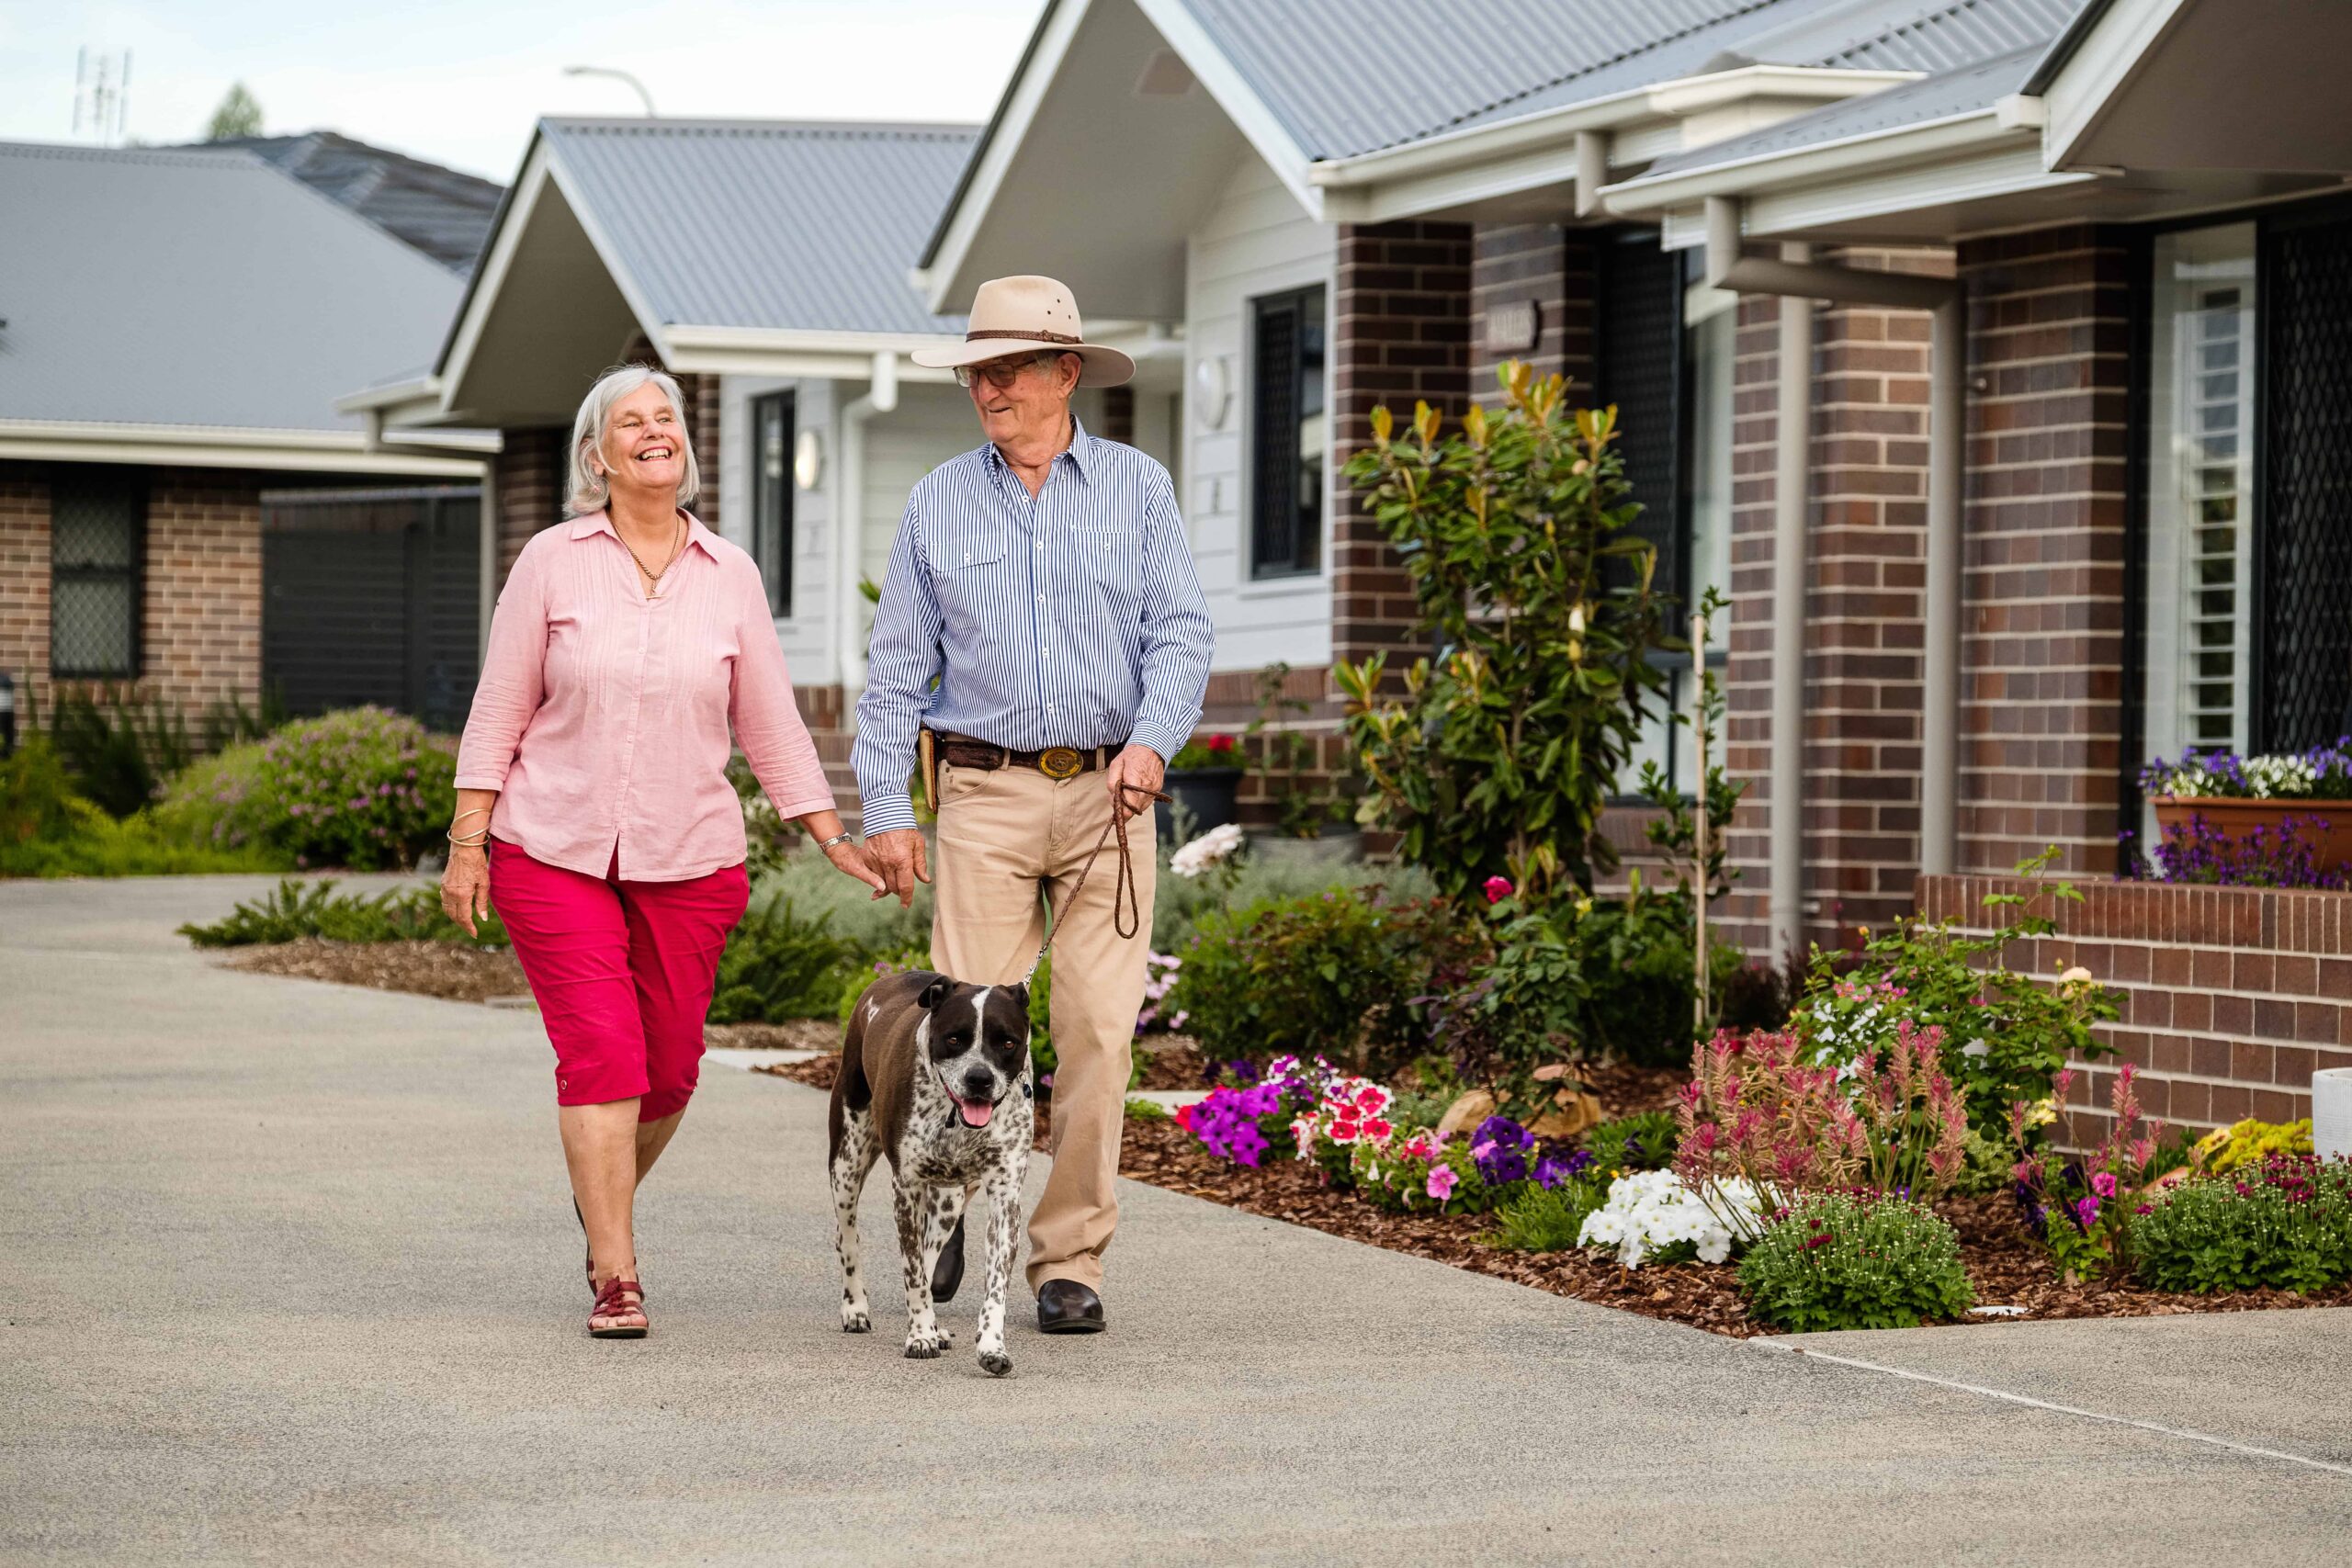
x: 2324, y: 825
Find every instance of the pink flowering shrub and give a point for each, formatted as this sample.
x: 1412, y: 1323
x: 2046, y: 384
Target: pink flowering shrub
x: 2079, y: 1207
x: 364, y: 788
x: 1756, y: 1109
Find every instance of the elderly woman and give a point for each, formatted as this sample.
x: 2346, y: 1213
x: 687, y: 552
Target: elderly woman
x: 593, y: 807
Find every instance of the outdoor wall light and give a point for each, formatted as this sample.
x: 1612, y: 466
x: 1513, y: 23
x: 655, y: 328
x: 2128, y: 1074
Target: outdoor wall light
x: 1212, y: 391
x: 808, y: 459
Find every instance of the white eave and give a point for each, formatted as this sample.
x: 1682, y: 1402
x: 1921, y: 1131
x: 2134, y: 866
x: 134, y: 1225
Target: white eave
x: 217, y: 447
x: 786, y: 351
x: 1460, y: 167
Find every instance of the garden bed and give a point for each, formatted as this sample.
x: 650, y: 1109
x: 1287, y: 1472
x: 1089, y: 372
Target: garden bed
x: 2002, y: 1264
x: 451, y: 971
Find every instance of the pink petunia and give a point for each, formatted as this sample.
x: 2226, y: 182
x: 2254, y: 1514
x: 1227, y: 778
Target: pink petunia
x: 2104, y: 1184
x: 1498, y: 888
x: 1442, y: 1180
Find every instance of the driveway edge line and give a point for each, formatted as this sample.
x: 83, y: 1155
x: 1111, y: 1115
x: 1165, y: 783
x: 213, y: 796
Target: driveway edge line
x: 2189, y: 1434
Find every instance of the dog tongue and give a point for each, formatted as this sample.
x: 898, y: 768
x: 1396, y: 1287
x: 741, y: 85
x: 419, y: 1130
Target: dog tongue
x: 975, y: 1111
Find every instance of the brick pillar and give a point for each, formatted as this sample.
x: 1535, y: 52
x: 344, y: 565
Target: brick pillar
x: 1401, y: 333
x: 24, y: 586
x: 529, y: 477
x: 2050, y: 340
x: 1554, y: 269
x: 1747, y: 677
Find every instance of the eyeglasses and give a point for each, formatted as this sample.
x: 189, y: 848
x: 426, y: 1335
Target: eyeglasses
x: 998, y: 373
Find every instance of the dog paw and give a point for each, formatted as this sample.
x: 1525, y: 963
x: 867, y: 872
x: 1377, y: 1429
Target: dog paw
x: 855, y: 1321
x: 996, y: 1362
x: 924, y: 1350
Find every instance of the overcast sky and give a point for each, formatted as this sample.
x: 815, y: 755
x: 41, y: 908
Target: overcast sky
x: 459, y: 81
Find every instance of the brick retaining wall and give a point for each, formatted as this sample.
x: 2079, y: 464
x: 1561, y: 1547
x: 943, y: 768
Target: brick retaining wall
x: 2232, y: 996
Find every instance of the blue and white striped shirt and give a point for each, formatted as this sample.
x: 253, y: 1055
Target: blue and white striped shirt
x: 1075, y: 619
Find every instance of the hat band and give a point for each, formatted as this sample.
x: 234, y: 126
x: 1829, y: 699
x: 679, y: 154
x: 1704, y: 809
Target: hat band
x: 1023, y: 335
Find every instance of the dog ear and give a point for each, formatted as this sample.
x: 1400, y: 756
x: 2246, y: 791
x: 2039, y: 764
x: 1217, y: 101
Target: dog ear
x: 935, y: 993
x: 1020, y: 995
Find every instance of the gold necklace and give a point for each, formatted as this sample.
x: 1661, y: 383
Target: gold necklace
x: 653, y: 579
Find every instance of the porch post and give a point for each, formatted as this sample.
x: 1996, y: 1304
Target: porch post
x: 1785, y: 896
x: 1940, y: 706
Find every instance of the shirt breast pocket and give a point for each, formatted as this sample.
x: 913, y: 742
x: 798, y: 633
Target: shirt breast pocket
x: 1110, y: 568
x: 967, y: 572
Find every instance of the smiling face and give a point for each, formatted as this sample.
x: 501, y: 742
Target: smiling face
x: 643, y: 449
x: 1022, y: 403
x: 978, y: 1044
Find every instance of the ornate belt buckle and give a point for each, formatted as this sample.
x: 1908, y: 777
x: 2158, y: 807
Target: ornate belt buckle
x: 1059, y: 762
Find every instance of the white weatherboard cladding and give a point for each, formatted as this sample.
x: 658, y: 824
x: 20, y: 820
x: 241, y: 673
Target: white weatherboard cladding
x: 806, y: 632
x: 1255, y: 242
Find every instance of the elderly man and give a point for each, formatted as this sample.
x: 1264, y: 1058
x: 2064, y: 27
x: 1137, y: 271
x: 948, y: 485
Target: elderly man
x: 1045, y: 583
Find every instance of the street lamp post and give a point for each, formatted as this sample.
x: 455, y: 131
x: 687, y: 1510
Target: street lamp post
x: 618, y: 76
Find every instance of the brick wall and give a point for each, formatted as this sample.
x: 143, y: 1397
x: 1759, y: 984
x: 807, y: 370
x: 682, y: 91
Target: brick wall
x: 1554, y: 268
x: 201, y: 620
x: 2050, y: 341
x: 2233, y: 996
x: 23, y: 584
x: 200, y: 617
x: 529, y: 474
x: 1401, y: 334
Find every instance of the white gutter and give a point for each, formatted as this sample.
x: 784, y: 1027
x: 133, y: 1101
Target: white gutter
x: 849, y: 502
x: 223, y: 446
x: 1663, y: 100
x: 1729, y: 268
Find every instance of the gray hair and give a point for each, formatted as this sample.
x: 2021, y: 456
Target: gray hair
x: 587, y: 491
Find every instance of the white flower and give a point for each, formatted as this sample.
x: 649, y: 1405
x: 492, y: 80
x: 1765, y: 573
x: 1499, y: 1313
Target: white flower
x: 1211, y: 848
x: 1977, y: 1048
x: 1651, y: 1209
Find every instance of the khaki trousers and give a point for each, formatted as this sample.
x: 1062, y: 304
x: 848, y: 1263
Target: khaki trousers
x: 1010, y: 839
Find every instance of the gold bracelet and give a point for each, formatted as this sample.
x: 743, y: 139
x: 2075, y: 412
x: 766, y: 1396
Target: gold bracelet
x: 477, y: 811
x: 476, y: 841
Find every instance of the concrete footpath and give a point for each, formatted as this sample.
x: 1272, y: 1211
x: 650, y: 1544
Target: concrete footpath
x: 291, y: 1277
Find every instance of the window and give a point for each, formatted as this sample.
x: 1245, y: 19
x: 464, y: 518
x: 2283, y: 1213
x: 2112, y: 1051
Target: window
x: 772, y: 438
x: 1666, y: 362
x: 2200, y: 491
x: 1286, y: 434
x: 98, y: 523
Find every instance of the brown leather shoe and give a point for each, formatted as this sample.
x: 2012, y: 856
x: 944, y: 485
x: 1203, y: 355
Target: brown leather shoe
x: 1065, y: 1306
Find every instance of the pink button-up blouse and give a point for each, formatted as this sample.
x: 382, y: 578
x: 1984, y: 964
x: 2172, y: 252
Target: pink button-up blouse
x: 602, y: 715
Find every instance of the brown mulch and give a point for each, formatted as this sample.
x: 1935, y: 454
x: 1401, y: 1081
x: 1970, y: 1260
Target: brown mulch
x: 448, y: 970
x: 2001, y: 1260
x: 792, y: 1034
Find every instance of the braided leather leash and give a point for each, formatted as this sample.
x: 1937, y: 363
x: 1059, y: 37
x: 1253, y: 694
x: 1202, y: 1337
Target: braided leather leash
x: 1125, y: 919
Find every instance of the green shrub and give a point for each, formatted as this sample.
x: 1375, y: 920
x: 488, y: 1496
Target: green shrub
x: 365, y: 789
x: 96, y: 845
x: 1184, y: 904
x: 1547, y: 1219
x: 296, y: 910
x: 1397, y: 1179
x: 779, y: 966
x: 1643, y: 1140
x: 1499, y: 756
x: 1146, y: 1111
x: 1934, y: 975
x: 116, y: 747
x: 1335, y: 974
x: 37, y: 796
x: 877, y: 927
x: 2284, y: 1225
x: 1841, y: 1262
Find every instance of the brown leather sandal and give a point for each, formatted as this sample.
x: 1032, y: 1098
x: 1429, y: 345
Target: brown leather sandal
x: 609, y: 1303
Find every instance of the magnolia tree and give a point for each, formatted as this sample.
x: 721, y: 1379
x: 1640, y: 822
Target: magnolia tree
x: 1503, y: 745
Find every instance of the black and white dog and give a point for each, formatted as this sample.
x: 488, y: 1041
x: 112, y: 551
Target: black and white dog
x: 935, y: 1077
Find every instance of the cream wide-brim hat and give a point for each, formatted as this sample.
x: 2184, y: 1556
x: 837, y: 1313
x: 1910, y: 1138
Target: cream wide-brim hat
x: 1014, y: 315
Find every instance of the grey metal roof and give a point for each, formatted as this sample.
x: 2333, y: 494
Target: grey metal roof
x: 1964, y: 91
x: 751, y: 223
x: 440, y: 211
x: 177, y: 288
x: 1342, y: 81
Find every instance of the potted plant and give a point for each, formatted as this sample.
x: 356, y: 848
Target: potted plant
x: 1203, y: 778
x: 2282, y: 795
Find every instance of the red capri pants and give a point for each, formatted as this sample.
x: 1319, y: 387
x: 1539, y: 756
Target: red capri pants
x: 622, y: 972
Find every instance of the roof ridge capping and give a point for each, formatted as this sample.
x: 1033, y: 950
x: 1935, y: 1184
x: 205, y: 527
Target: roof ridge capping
x: 873, y: 128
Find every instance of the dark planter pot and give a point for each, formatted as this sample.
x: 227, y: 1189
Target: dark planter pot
x: 2326, y: 824
x: 1206, y: 793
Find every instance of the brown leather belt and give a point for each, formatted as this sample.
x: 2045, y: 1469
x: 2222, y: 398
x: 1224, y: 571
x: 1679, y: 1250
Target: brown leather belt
x: 1054, y: 762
